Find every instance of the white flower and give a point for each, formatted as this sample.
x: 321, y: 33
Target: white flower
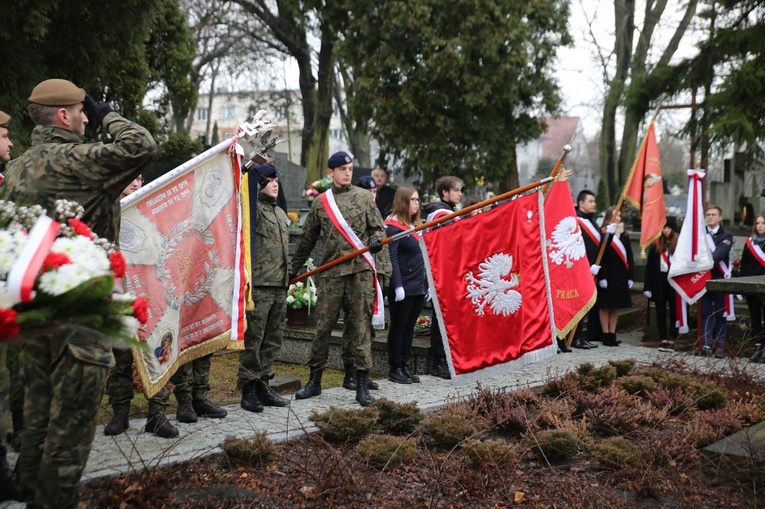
x: 299, y: 284
x: 5, y: 299
x: 290, y: 299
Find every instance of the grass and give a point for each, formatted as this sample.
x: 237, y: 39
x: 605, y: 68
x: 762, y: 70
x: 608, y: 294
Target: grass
x: 223, y: 391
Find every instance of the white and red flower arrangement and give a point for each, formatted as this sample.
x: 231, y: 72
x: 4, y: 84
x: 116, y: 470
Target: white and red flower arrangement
x: 51, y: 279
x: 317, y: 187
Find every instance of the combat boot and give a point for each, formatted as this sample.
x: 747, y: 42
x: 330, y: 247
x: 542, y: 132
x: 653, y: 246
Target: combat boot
x: 206, y: 408
x: 266, y: 394
x: 362, y: 388
x: 8, y: 489
x: 313, y: 387
x: 250, y: 401
x: 405, y: 370
x: 120, y: 421
x: 440, y: 368
x: 185, y: 412
x: 160, y: 426
x: 349, y: 380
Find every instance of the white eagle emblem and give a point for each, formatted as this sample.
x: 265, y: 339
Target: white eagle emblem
x: 491, y: 288
x: 566, y: 245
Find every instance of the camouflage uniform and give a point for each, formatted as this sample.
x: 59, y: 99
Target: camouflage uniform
x: 349, y: 285
x: 119, y: 385
x: 265, y: 328
x: 65, y: 370
x: 192, y: 380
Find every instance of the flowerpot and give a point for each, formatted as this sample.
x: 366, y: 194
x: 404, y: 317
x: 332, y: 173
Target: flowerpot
x: 297, y: 316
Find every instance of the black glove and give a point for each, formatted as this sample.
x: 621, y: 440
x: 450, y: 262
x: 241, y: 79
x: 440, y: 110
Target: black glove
x: 375, y: 247
x: 96, y: 111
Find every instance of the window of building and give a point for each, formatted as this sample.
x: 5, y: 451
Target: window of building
x: 201, y: 113
x: 228, y: 113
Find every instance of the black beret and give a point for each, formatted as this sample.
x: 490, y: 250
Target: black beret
x: 339, y: 159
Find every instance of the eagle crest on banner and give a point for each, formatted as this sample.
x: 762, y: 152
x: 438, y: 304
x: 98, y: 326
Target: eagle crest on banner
x: 491, y: 287
x: 566, y: 244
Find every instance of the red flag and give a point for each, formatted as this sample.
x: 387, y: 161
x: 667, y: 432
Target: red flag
x: 572, y: 287
x: 490, y: 290
x: 645, y: 189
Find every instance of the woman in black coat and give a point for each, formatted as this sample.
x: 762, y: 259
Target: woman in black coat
x: 657, y: 287
x: 614, y: 279
x: 753, y: 264
x: 408, y: 284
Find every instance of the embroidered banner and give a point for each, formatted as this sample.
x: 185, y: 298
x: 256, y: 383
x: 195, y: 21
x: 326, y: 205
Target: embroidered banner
x: 181, y: 239
x: 572, y: 287
x: 491, y: 295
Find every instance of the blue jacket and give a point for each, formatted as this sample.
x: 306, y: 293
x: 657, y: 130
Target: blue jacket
x: 408, y: 264
x: 723, y: 240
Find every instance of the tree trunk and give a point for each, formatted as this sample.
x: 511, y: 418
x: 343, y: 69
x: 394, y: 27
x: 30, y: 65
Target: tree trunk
x: 511, y: 177
x: 316, y: 147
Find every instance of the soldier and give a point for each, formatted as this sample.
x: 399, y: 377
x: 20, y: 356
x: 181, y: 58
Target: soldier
x: 347, y: 218
x: 265, y: 325
x: 119, y: 386
x: 65, y: 369
x: 7, y: 483
x: 192, y: 383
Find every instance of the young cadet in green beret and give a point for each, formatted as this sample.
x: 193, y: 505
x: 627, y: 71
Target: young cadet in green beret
x: 65, y: 369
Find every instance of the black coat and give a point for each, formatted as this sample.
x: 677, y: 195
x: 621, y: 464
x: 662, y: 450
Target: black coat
x: 613, y: 270
x: 384, y: 200
x: 408, y: 264
x: 749, y: 264
x: 655, y: 279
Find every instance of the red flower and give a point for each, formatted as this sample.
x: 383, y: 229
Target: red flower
x: 118, y: 264
x: 141, y: 309
x: 8, y: 325
x: 81, y: 228
x: 54, y: 261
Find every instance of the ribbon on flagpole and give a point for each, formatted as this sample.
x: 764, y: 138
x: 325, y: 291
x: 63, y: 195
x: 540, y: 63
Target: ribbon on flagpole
x: 694, y: 206
x: 21, y: 277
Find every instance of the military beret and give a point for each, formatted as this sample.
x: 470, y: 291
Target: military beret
x: 5, y: 119
x: 57, y: 92
x: 339, y: 159
x: 366, y: 182
x: 265, y: 172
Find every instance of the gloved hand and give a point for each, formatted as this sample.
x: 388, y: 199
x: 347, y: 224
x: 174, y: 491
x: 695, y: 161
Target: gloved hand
x: 594, y: 269
x: 630, y: 283
x: 427, y: 295
x: 611, y: 229
x: 400, y: 294
x: 96, y: 111
x: 603, y: 284
x: 647, y: 294
x: 292, y: 276
x: 375, y: 247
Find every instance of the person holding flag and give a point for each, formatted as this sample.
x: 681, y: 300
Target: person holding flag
x: 347, y: 218
x: 614, y: 278
x: 753, y: 264
x: 716, y: 306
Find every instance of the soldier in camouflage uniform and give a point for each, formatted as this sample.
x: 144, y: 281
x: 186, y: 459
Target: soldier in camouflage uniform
x: 269, y: 280
x: 7, y: 484
x: 350, y: 285
x: 65, y: 369
x: 192, y: 383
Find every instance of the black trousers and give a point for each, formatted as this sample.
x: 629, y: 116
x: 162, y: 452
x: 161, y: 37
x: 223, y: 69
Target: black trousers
x: 757, y: 314
x: 664, y: 299
x: 436, y: 342
x: 403, y: 318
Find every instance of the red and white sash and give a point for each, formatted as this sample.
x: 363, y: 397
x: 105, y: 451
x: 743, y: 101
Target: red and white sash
x: 681, y: 314
x: 21, y: 277
x: 725, y: 268
x: 665, y: 261
x: 756, y: 251
x: 589, y: 229
x: 330, y: 205
x: 394, y: 222
x: 620, y: 250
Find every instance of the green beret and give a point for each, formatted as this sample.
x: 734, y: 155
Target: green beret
x: 57, y: 92
x: 5, y: 119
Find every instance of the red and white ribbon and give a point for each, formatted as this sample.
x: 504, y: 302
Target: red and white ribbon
x: 589, y: 229
x: 693, y: 209
x: 393, y: 221
x: 617, y: 245
x: 756, y: 251
x: 725, y: 268
x: 330, y: 205
x: 681, y: 314
x: 21, y: 277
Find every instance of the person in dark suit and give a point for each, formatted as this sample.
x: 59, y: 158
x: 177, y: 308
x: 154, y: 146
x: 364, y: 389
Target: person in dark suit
x: 713, y: 304
x: 385, y: 193
x: 753, y: 264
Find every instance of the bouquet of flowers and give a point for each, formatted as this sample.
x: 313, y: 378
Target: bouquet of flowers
x: 301, y: 295
x: 74, y: 283
x: 317, y: 187
x: 422, y: 325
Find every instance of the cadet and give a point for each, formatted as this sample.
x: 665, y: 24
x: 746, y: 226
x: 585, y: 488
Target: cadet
x: 7, y: 484
x: 269, y: 280
x: 347, y: 222
x: 65, y: 369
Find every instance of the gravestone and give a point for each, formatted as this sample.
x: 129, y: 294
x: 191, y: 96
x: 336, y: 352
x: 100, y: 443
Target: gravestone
x: 292, y: 177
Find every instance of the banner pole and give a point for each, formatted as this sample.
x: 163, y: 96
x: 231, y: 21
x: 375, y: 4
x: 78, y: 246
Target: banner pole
x: 430, y: 224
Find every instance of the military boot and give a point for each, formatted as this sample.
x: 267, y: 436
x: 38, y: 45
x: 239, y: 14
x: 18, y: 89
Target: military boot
x: 8, y: 489
x: 185, y: 412
x: 349, y: 380
x: 440, y: 368
x: 405, y: 370
x: 206, y: 408
x: 120, y: 421
x: 160, y: 426
x: 313, y: 387
x: 266, y: 394
x: 250, y: 401
x: 362, y: 388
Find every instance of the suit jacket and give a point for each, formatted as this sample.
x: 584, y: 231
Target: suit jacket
x: 723, y: 241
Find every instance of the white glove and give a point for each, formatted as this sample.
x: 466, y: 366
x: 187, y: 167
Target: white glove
x: 630, y: 283
x: 603, y: 284
x: 611, y: 228
x: 647, y: 294
x: 427, y: 295
x: 594, y: 269
x: 400, y: 294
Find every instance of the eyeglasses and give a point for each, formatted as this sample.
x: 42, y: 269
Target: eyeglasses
x: 414, y: 199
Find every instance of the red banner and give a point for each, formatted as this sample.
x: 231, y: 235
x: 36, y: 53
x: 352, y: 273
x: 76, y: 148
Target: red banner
x: 181, y: 240
x: 572, y: 287
x: 645, y: 189
x: 490, y: 290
